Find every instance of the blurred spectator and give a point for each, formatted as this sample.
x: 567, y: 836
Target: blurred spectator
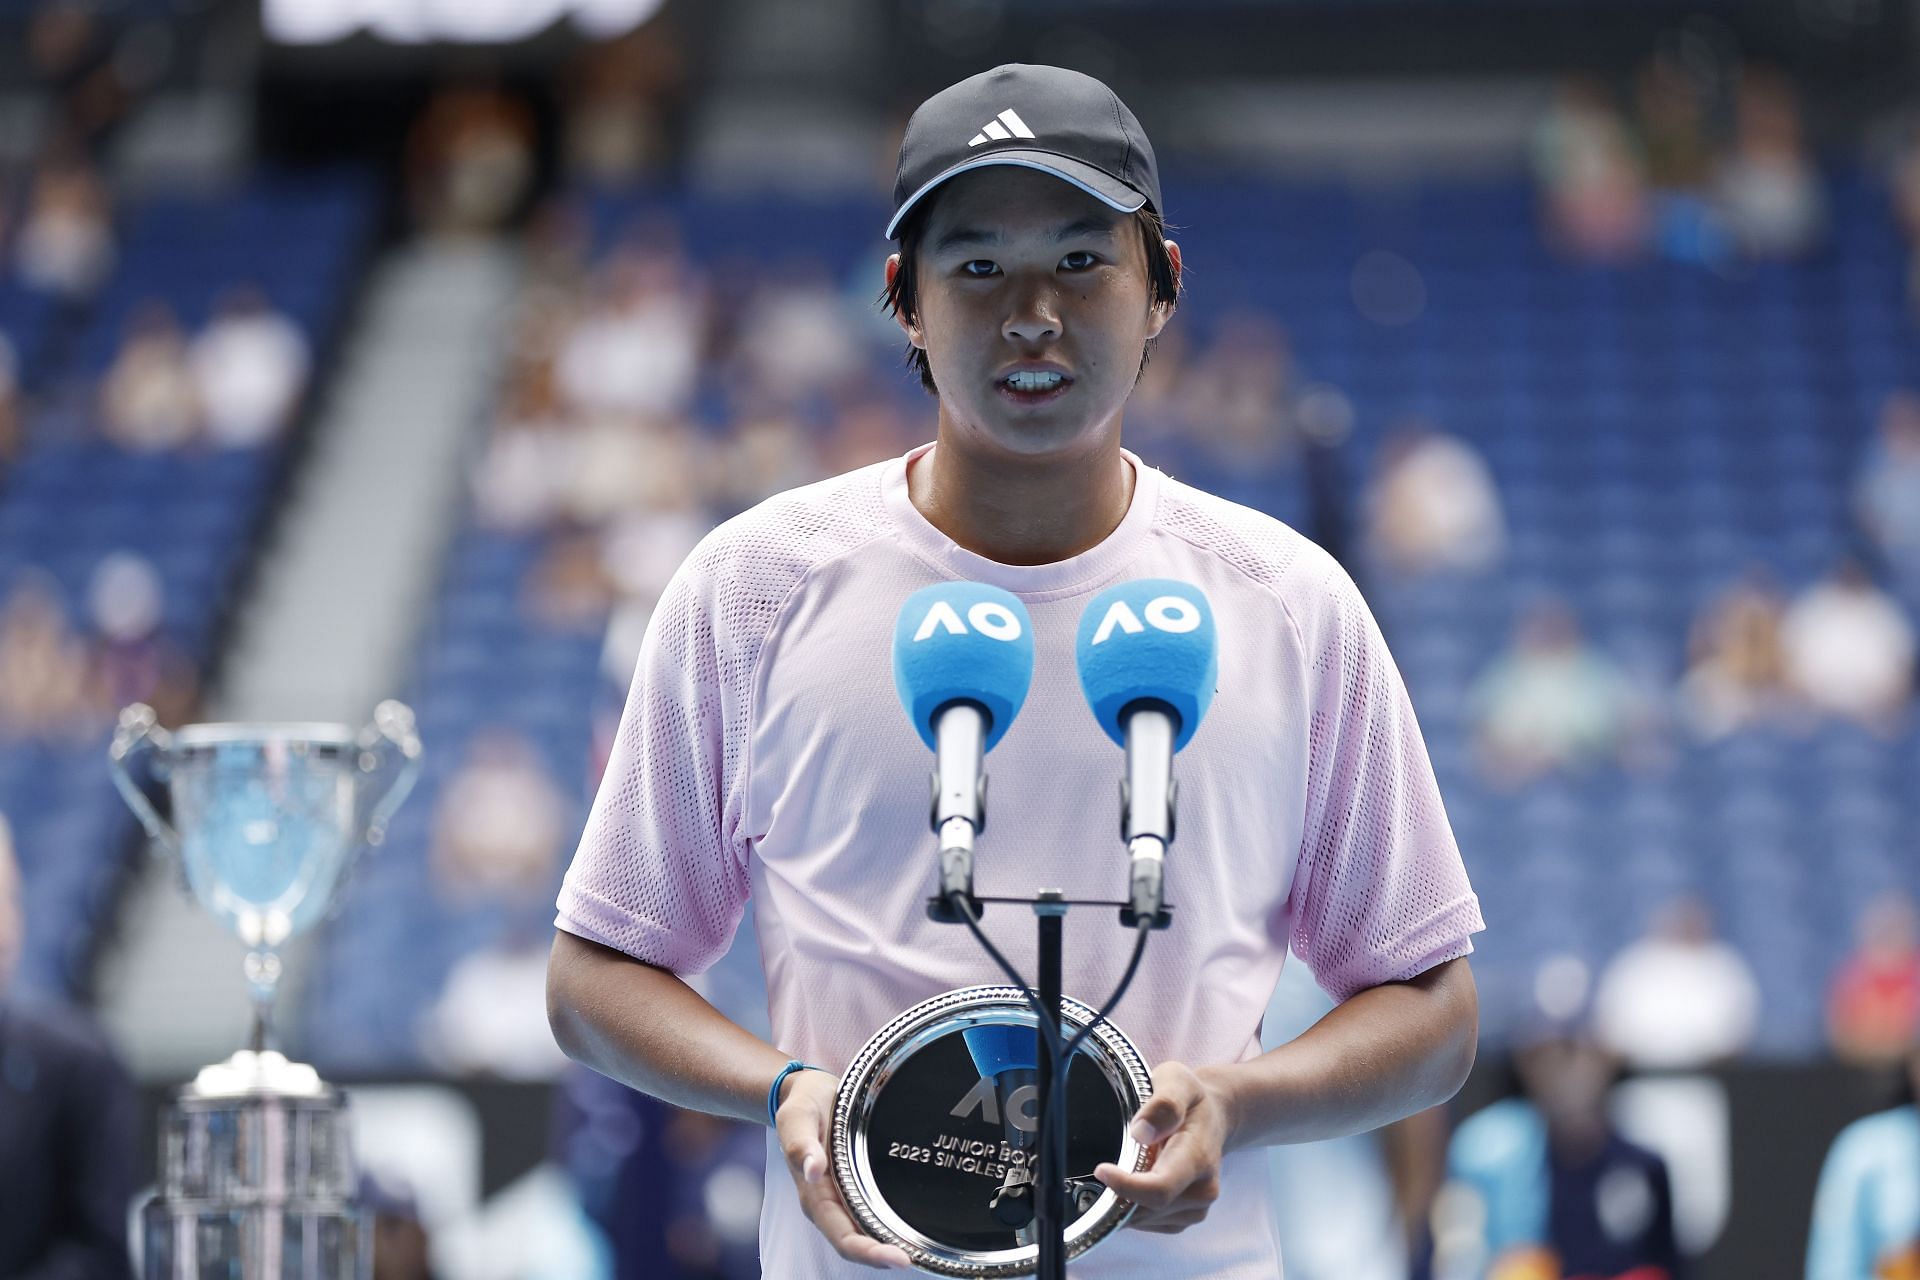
x: 570, y: 588
x: 1850, y: 650
x: 1544, y: 1183
x: 556, y: 248
x: 12, y: 922
x: 1550, y: 702
x: 713, y: 1206
x: 401, y: 1248
x: 637, y: 350
x: 1671, y: 104
x: 1157, y: 411
x: 1736, y: 670
x: 500, y: 823
x: 620, y: 94
x: 1769, y: 190
x: 1433, y: 506
x: 1585, y: 162
x: 10, y: 437
x: 470, y: 160
x: 43, y: 666
x: 132, y: 659
x: 867, y: 430
x: 1679, y: 997
x: 149, y: 399
x: 1238, y: 390
x: 766, y: 452
x: 641, y: 552
x: 520, y: 483
x: 1906, y: 207
x: 491, y: 1018
x: 795, y: 339
x: 68, y: 1117
x: 65, y: 245
x: 1873, y: 1006
x: 249, y: 365
x: 1886, y: 494
x: 617, y: 465
x: 89, y: 80
x: 1671, y: 112
x: 1866, y: 1210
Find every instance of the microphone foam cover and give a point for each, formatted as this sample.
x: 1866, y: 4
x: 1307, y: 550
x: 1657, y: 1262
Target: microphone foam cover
x: 962, y: 642
x: 1150, y: 640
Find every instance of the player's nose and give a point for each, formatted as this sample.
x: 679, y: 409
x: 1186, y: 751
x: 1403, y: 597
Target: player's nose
x: 1033, y: 316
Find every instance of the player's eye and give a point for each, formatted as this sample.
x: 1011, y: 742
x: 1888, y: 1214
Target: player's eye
x: 978, y: 268
x: 1078, y: 260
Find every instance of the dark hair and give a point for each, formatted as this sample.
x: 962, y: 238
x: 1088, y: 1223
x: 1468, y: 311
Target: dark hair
x: 902, y: 297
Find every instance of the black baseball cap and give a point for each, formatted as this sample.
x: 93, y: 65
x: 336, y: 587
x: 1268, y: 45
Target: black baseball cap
x: 1047, y: 118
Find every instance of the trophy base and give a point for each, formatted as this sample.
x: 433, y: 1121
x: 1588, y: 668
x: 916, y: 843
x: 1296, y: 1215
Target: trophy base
x: 257, y: 1179
x: 184, y: 1241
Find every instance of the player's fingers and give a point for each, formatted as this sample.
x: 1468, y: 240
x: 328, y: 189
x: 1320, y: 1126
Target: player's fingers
x: 1175, y: 1091
x: 801, y: 1145
x: 1150, y: 1189
x: 820, y: 1201
x: 1181, y: 1173
x: 1161, y: 1115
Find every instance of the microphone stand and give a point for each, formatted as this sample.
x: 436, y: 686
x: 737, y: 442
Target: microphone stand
x: 1050, y: 1220
x: 1050, y: 1198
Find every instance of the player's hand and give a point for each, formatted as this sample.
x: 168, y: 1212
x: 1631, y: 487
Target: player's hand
x: 804, y: 1123
x: 1186, y: 1122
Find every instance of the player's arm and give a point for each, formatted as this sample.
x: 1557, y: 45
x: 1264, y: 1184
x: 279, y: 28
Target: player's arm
x: 1377, y: 1057
x: 1381, y: 1055
x: 1378, y: 891
x: 646, y: 1028
x: 643, y: 1026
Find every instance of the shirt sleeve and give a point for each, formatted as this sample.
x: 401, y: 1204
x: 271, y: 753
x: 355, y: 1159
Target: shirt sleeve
x: 661, y: 869
x: 1379, y: 891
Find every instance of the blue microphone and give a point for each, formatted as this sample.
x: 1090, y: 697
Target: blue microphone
x: 962, y: 661
x: 1148, y: 660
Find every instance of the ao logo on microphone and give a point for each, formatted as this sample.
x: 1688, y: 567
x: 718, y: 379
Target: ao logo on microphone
x: 988, y: 617
x: 1175, y: 615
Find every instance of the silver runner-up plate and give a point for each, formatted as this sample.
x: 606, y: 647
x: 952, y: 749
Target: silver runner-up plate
x: 935, y: 1132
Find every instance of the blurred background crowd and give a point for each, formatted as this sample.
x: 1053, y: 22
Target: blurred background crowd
x: 339, y: 363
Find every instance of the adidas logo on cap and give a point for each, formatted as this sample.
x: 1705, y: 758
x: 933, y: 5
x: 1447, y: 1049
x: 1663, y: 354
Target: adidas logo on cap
x: 1006, y: 125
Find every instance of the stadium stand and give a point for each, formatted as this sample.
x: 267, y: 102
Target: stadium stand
x: 72, y: 499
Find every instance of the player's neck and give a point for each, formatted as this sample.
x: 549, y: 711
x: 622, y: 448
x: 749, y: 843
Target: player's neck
x: 1018, y: 510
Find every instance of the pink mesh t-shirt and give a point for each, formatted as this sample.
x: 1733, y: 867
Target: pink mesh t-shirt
x: 763, y: 753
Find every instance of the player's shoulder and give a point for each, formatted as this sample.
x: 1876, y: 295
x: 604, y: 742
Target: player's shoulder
x: 1271, y: 552
x: 764, y: 552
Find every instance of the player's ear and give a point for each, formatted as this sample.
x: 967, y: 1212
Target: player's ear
x: 910, y: 325
x: 1160, y: 310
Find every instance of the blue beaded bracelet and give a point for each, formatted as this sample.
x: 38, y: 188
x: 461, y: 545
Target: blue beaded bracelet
x: 773, y: 1094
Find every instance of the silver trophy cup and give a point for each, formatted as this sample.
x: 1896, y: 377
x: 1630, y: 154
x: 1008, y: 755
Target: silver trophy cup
x: 256, y: 1176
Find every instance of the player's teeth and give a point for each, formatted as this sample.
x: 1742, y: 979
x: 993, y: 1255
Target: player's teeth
x: 1033, y: 381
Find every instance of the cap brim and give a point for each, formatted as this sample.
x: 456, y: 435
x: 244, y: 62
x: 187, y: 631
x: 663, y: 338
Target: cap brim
x: 1098, y: 183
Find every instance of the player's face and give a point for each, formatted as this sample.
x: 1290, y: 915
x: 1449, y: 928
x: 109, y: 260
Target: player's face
x: 1034, y: 306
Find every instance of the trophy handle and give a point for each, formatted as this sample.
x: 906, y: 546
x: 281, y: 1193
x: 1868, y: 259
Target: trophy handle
x: 140, y: 730
x: 392, y: 731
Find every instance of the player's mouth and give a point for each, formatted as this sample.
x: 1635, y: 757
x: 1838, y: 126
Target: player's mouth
x: 1033, y: 386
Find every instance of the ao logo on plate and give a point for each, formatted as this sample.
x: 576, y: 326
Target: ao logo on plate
x: 994, y: 621
x: 1172, y: 614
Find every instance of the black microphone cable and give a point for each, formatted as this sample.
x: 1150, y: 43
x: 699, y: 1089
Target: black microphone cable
x: 1053, y: 1132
